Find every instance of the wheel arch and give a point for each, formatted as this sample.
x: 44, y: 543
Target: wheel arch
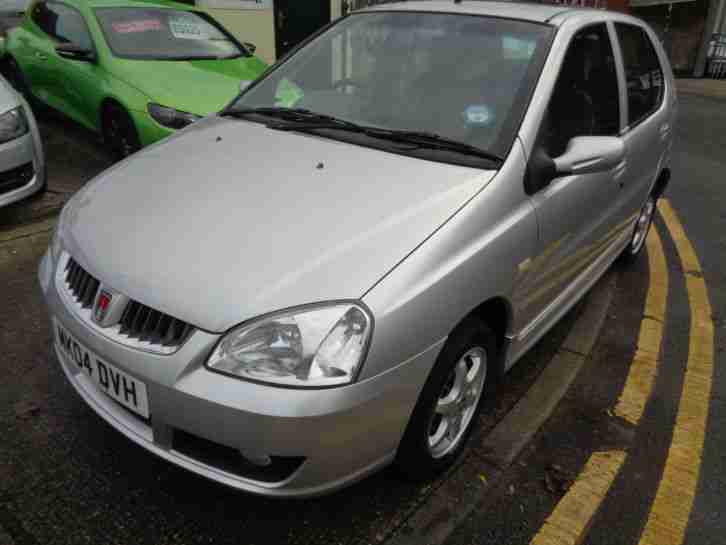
x: 496, y: 312
x: 106, y: 103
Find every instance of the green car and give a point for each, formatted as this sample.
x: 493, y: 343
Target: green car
x: 135, y: 71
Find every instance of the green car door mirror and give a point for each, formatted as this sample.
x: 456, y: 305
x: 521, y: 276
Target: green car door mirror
x: 75, y: 52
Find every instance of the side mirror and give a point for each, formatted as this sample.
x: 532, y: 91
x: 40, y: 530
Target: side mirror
x: 250, y: 47
x: 75, y: 52
x: 588, y: 154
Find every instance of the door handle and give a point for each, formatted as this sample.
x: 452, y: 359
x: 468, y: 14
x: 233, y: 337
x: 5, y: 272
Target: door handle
x: 41, y: 56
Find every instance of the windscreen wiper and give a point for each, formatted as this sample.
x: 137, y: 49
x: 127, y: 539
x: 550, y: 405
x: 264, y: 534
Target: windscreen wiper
x: 298, y: 119
x: 295, y: 116
x: 433, y: 141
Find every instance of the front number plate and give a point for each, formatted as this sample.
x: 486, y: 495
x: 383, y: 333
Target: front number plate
x: 128, y: 391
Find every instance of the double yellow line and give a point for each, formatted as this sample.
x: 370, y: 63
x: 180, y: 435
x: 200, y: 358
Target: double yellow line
x: 666, y: 525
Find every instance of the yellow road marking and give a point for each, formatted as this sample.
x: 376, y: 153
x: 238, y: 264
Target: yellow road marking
x: 570, y: 521
x: 643, y: 368
x: 673, y: 503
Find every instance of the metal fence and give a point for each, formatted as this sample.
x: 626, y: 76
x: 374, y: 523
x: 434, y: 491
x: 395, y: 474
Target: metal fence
x: 716, y: 58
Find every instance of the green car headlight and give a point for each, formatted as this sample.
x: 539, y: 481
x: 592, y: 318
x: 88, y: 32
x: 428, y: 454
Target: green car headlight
x: 171, y: 118
x: 13, y: 124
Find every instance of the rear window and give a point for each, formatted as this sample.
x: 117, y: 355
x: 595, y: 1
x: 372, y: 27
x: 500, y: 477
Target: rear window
x: 165, y: 34
x: 643, y: 72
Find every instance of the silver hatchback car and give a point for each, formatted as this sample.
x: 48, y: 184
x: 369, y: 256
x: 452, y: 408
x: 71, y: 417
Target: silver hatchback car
x: 324, y: 278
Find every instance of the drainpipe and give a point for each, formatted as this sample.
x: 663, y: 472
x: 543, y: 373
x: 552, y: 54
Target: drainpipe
x: 714, y: 22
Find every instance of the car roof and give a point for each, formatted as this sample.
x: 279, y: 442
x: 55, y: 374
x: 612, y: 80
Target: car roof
x: 525, y: 11
x: 127, y: 3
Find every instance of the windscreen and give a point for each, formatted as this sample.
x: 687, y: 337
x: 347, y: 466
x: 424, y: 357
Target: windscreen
x: 164, y: 34
x: 463, y: 77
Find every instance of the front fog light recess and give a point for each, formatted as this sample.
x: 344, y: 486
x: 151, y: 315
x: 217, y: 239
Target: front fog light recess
x: 309, y: 347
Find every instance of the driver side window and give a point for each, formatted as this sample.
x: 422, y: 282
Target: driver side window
x: 62, y: 23
x: 585, y: 101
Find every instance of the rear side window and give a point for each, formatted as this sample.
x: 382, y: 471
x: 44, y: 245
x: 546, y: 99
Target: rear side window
x: 63, y: 23
x: 643, y: 72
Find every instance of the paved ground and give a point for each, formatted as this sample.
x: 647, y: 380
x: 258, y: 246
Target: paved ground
x: 74, y: 156
x: 707, y: 88
x: 66, y: 477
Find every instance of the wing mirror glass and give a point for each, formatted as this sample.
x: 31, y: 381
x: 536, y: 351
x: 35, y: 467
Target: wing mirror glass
x: 75, y: 52
x: 588, y: 154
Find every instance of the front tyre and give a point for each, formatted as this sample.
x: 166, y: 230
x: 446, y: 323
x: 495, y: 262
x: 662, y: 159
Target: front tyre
x: 640, y: 231
x: 447, y: 409
x: 119, y: 132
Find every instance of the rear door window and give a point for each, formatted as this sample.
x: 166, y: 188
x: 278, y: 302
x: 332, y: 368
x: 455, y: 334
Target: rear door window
x: 643, y: 72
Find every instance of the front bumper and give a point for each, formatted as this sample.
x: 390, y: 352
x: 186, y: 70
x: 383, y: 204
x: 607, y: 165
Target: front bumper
x: 14, y: 154
x: 340, y: 434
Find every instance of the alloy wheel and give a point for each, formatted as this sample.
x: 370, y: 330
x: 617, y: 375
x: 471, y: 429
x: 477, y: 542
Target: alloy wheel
x: 457, y: 402
x: 642, y: 226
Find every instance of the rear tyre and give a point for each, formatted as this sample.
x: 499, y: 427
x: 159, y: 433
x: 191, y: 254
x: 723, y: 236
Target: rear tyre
x: 119, y: 132
x: 447, y: 409
x: 640, y: 231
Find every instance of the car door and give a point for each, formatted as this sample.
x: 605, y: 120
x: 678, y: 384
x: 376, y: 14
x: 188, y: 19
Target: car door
x: 71, y: 79
x: 34, y: 49
x: 576, y: 212
x: 648, y: 133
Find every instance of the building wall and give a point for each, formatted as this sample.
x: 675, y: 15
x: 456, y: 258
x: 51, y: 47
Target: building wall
x: 247, y: 25
x: 253, y: 25
x: 680, y: 28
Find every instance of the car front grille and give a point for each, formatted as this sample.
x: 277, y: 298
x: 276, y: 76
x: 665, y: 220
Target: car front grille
x: 138, y: 322
x: 82, y: 285
x: 146, y: 324
x: 15, y: 178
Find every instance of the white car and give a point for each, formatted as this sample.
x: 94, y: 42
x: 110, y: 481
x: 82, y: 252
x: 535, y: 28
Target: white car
x: 22, y: 164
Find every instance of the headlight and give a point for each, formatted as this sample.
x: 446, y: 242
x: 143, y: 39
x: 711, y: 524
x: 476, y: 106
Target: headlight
x: 13, y: 124
x: 169, y: 117
x: 307, y: 347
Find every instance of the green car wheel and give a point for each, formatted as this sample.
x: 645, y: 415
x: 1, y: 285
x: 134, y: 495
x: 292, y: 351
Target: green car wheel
x: 119, y: 132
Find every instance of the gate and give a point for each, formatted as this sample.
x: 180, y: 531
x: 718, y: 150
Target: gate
x: 716, y: 58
